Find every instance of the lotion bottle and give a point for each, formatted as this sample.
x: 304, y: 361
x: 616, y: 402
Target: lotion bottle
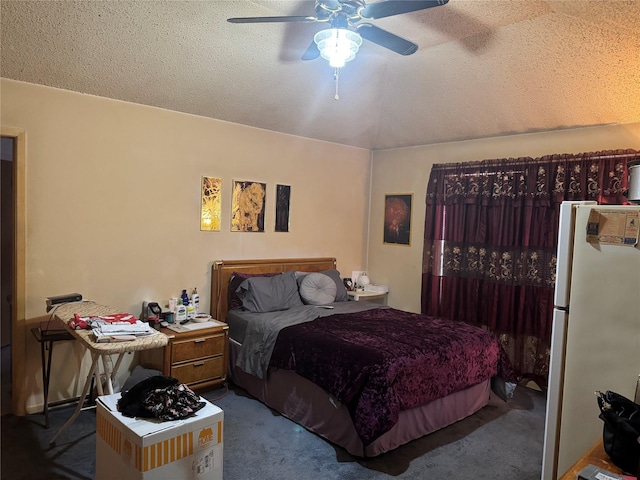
x: 181, y: 313
x: 195, y: 299
x: 191, y: 311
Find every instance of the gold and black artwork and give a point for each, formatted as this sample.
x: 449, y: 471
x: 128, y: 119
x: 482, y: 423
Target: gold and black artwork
x: 247, y: 206
x: 210, y: 205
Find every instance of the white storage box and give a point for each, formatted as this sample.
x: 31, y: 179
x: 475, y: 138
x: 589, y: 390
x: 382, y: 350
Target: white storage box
x: 375, y: 288
x: 149, y: 449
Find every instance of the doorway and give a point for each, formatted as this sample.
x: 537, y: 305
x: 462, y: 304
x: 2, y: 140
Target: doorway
x: 7, y: 254
x: 13, y: 257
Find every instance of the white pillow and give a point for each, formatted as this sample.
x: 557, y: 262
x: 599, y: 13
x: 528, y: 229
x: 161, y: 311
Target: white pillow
x: 318, y: 289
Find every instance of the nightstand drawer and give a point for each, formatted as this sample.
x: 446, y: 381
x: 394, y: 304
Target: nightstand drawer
x: 199, y: 371
x: 197, y: 358
x: 187, y: 350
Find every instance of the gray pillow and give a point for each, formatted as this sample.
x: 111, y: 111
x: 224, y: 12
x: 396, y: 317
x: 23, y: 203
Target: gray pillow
x: 270, y: 294
x: 341, y: 291
x: 317, y: 289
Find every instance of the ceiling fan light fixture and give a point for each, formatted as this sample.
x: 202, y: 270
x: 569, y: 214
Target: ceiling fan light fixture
x: 338, y: 45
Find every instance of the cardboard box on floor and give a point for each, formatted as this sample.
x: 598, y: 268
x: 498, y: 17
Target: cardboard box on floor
x: 150, y: 449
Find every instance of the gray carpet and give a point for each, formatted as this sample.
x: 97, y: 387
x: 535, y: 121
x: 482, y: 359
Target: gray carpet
x: 501, y: 441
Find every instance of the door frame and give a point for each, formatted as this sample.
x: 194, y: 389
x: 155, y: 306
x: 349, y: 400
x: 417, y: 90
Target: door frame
x: 18, y: 322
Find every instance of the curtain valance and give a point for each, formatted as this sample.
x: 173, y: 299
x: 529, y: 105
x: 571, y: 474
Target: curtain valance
x: 598, y: 176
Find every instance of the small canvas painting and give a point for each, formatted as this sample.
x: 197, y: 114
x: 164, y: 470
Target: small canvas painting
x: 397, y: 218
x: 210, y: 207
x: 283, y: 197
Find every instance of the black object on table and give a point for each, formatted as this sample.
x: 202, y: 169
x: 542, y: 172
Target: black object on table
x: 47, y: 338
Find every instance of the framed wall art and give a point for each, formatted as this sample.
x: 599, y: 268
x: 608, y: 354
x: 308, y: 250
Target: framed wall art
x: 283, y: 198
x: 210, y: 207
x: 247, y: 206
x: 397, y: 218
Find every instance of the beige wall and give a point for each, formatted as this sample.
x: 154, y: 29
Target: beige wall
x: 407, y: 171
x: 112, y: 203
x: 113, y: 198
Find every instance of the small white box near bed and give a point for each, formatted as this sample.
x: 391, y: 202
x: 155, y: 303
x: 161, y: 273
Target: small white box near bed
x: 149, y: 449
x: 376, y: 288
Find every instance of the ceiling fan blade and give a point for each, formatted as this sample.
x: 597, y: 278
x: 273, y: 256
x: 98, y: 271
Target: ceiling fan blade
x: 290, y: 19
x: 391, y: 7
x: 386, y: 39
x: 312, y: 52
x: 331, y: 5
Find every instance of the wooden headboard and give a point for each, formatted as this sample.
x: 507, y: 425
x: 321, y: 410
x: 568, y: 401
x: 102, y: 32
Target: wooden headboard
x: 222, y: 270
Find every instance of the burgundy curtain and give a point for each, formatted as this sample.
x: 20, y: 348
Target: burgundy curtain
x: 491, y: 231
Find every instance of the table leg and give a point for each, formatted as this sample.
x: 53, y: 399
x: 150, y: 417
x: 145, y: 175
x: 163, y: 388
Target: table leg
x: 99, y: 381
x: 117, y: 366
x: 92, y: 371
x: 45, y: 386
x: 107, y: 375
x: 111, y: 375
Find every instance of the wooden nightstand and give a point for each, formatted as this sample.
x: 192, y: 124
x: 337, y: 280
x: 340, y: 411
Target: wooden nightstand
x: 197, y: 358
x: 369, y: 296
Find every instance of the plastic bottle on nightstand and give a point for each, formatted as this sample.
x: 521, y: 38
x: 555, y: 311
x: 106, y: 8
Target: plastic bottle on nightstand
x: 191, y: 310
x: 181, y: 313
x: 195, y: 299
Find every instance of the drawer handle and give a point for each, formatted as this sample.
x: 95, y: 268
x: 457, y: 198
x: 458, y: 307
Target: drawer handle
x: 200, y: 340
x: 200, y: 364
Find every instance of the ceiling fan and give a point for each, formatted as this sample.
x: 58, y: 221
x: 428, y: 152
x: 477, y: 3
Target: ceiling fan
x: 348, y: 25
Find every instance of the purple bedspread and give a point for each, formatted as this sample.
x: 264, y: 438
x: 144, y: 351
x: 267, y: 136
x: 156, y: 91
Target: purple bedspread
x: 380, y: 362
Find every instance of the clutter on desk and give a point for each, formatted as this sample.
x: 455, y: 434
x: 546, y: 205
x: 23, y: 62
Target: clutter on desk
x: 108, y: 332
x: 181, y: 309
x: 82, y: 323
x: 185, y: 307
x: 119, y: 327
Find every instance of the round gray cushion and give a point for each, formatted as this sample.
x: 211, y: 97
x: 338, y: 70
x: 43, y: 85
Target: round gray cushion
x: 318, y: 289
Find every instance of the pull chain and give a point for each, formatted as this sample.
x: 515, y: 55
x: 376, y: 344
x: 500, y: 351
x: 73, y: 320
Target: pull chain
x: 336, y: 76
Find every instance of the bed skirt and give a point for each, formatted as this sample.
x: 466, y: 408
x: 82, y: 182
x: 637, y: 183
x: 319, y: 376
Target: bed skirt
x: 310, y: 406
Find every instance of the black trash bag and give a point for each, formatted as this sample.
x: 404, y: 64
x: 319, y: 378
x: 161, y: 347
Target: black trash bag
x: 621, y: 431
x: 130, y: 403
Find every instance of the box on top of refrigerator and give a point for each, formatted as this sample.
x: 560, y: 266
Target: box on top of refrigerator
x: 149, y: 449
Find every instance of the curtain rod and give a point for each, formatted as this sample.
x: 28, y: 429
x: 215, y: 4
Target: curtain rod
x: 476, y: 163
x: 622, y: 155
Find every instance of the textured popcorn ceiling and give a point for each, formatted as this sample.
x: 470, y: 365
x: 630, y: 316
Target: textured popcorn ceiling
x: 484, y: 67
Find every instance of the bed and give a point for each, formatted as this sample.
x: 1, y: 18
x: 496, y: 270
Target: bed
x: 366, y: 377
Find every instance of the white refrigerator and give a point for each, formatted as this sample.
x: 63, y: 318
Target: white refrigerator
x: 595, y: 342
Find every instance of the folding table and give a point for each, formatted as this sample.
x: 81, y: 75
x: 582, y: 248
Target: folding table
x: 100, y: 351
x: 47, y: 339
